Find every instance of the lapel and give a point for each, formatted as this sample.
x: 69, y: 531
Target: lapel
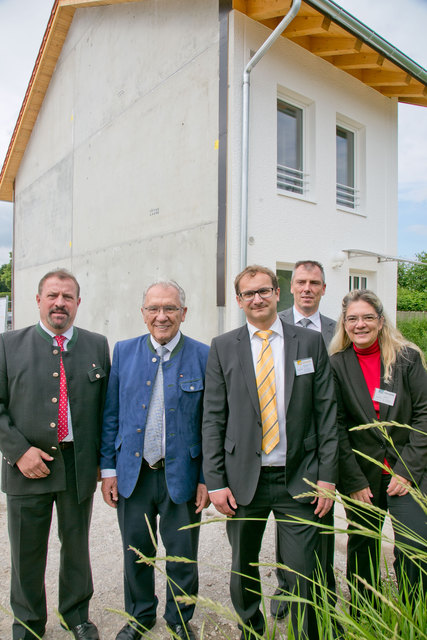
x: 361, y: 394
x: 291, y: 352
x: 244, y: 352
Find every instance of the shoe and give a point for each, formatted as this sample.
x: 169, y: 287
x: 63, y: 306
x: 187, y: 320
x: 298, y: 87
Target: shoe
x: 183, y: 631
x: 136, y: 630
x: 279, y: 609
x: 85, y: 631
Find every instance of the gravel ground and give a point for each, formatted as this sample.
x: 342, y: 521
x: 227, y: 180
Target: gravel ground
x: 107, y: 602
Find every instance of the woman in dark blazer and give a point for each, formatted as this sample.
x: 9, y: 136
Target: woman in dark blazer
x: 380, y: 376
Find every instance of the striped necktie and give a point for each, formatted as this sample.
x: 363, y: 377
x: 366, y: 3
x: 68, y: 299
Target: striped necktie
x: 266, y: 386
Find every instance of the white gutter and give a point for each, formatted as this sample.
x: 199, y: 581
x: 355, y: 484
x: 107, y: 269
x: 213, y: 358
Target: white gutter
x: 296, y: 4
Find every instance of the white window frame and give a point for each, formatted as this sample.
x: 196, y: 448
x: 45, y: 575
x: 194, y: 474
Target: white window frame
x: 306, y: 107
x: 359, y: 161
x: 360, y: 283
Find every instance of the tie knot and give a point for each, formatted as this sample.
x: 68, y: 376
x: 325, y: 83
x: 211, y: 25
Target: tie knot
x: 305, y: 322
x: 264, y: 335
x: 60, y: 340
x: 161, y: 351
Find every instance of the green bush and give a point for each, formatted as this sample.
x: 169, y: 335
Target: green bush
x: 415, y: 330
x: 411, y: 300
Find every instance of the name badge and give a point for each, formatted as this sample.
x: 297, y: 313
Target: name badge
x: 304, y: 366
x: 385, y: 397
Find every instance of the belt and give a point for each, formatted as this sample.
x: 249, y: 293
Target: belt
x: 66, y: 445
x: 160, y: 464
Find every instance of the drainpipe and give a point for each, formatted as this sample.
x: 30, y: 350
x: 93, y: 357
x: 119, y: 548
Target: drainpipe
x: 245, y: 126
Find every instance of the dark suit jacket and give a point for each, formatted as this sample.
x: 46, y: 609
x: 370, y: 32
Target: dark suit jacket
x: 355, y: 407
x: 327, y: 324
x: 29, y: 395
x: 135, y: 365
x: 232, y: 429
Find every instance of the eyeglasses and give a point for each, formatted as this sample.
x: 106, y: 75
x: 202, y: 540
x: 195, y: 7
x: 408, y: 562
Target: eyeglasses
x: 368, y: 319
x: 264, y: 293
x: 168, y: 310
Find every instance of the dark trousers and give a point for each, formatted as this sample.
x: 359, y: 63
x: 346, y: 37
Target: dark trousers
x: 364, y: 553
x: 149, y: 499
x: 298, y: 544
x: 29, y: 520
x: 326, y: 554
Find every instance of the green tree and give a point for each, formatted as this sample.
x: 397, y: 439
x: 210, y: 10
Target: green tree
x: 6, y: 275
x: 412, y: 285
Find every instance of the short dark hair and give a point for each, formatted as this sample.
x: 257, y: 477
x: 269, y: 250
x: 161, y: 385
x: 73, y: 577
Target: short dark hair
x: 252, y: 270
x: 309, y: 264
x: 61, y: 274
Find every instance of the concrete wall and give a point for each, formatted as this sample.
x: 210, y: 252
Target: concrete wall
x: 119, y: 179
x: 284, y: 228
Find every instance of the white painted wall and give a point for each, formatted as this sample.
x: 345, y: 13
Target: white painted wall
x: 119, y: 179
x: 282, y: 228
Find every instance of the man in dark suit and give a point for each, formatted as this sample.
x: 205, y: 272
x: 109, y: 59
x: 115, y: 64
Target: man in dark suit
x: 53, y: 379
x: 308, y: 286
x: 151, y: 456
x: 269, y: 423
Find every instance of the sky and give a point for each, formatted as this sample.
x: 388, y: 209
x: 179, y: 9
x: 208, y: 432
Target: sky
x: 401, y: 22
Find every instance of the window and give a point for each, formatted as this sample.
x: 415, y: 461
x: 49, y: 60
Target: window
x: 346, y: 191
x: 290, y: 161
x: 286, y: 298
x: 357, y: 282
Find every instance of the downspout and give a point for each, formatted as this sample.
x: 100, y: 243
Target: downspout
x: 296, y: 4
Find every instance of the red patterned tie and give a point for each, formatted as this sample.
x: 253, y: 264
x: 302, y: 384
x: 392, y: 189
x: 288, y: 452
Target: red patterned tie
x: 63, y: 395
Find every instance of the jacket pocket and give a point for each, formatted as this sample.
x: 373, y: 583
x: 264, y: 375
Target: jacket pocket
x: 191, y: 386
x: 96, y: 373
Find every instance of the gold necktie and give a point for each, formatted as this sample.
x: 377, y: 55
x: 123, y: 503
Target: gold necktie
x: 266, y: 386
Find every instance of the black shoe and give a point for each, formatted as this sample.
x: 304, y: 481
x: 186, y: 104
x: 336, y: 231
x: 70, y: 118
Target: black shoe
x: 279, y: 609
x: 183, y: 631
x: 85, y: 631
x: 136, y: 630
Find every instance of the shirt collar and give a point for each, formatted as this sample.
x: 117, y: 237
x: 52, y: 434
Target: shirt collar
x: 68, y: 334
x: 170, y: 346
x: 315, y: 318
x: 276, y: 327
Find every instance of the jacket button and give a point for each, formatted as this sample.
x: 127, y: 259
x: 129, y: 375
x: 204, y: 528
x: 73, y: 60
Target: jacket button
x: 54, y: 400
x: 143, y: 406
x: 138, y: 430
x: 97, y: 375
x: 52, y: 425
x: 137, y: 454
x: 153, y: 359
x: 54, y: 448
x: 148, y: 383
x: 55, y: 352
x: 55, y: 374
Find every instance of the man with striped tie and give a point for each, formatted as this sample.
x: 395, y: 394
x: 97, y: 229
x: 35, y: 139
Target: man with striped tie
x: 269, y: 423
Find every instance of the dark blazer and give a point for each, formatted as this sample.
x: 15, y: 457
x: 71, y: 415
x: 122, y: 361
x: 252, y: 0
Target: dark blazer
x: 29, y: 395
x: 232, y: 429
x: 355, y: 407
x: 135, y: 365
x: 327, y: 325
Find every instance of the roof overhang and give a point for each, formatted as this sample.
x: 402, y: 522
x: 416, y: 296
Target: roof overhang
x: 321, y: 27
x: 357, y: 253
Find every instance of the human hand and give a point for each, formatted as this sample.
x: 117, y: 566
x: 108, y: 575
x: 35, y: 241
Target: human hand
x: 364, y: 495
x: 109, y: 491
x: 202, y: 497
x: 223, y: 500
x: 398, y: 486
x: 324, y: 503
x: 31, y: 464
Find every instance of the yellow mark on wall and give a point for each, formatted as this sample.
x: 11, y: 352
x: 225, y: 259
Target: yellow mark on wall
x: 216, y: 145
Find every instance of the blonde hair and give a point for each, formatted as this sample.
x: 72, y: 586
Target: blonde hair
x: 390, y: 340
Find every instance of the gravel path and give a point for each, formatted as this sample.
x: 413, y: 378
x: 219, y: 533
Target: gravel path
x: 106, y: 551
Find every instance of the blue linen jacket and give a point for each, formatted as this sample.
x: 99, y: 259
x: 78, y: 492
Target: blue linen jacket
x: 133, y: 373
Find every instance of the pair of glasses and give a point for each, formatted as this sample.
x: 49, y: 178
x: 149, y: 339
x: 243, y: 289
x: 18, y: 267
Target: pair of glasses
x: 264, y: 293
x: 368, y: 319
x: 168, y: 310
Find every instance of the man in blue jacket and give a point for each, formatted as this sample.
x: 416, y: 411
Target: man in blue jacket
x: 151, y: 456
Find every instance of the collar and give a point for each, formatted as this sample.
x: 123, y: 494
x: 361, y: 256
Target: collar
x: 68, y: 334
x: 170, y: 346
x: 315, y: 318
x: 276, y: 327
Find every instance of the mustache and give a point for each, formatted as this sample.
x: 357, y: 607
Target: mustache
x: 59, y: 310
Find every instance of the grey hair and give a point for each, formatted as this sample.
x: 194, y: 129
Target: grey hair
x: 166, y: 284
x: 309, y: 265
